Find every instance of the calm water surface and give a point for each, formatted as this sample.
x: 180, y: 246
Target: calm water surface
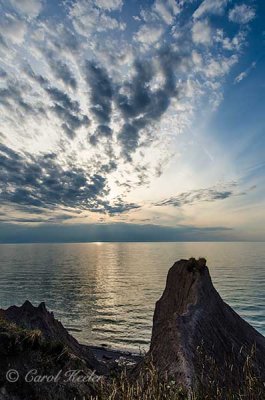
x: 106, y: 292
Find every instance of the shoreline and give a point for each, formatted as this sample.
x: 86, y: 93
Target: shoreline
x: 108, y: 355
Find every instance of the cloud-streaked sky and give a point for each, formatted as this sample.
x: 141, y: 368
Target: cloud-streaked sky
x: 147, y: 113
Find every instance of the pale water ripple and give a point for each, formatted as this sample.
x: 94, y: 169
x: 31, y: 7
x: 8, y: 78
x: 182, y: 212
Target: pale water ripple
x: 107, y: 292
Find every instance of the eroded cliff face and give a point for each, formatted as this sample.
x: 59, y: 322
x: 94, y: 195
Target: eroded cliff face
x: 197, y: 339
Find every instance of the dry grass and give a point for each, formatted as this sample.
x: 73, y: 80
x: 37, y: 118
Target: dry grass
x: 18, y: 339
x: 149, y: 386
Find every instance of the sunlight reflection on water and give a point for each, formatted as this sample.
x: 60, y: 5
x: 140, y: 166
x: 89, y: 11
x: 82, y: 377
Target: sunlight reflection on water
x: 106, y: 293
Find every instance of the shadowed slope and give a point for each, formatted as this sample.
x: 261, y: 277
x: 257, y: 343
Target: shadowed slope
x: 30, y: 317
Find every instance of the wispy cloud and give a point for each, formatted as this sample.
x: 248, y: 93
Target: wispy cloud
x: 245, y: 73
x: 207, y: 7
x: 212, y: 194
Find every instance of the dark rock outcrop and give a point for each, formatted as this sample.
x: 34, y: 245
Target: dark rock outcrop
x: 29, y: 317
x: 33, y: 342
x: 198, y: 340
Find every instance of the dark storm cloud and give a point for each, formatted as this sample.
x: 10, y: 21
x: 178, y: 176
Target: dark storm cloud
x: 55, y: 219
x: 31, y: 209
x: 60, y: 69
x: 37, y: 78
x: 116, y: 232
x: 101, y: 92
x: 197, y: 196
x: 71, y: 121
x: 41, y: 181
x: 63, y: 99
x: 2, y: 42
x: 119, y: 207
x: 102, y: 131
x: 37, y: 183
x: 129, y: 139
x: 12, y: 93
x: 22, y: 220
x: 67, y: 110
x: 39, y: 220
x: 3, y: 73
x: 140, y: 104
x: 101, y: 97
x: 109, y: 167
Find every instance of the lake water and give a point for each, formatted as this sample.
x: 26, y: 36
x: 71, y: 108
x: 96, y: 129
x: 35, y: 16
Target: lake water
x: 106, y: 292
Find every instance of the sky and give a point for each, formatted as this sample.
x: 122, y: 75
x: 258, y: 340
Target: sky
x: 128, y: 120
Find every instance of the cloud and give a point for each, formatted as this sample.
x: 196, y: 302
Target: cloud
x: 63, y: 99
x: 143, y: 106
x: 102, y: 131
x: 140, y: 105
x: 242, y: 14
x: 39, y: 220
x: 129, y: 138
x: 218, y: 68
x: 244, y: 74
x: 88, y: 19
x: 201, y: 32
x: 235, y: 43
x: 31, y: 8
x: 162, y: 11
x: 2, y: 41
x: 63, y: 38
x: 101, y: 91
x: 116, y: 232
x: 3, y: 73
x: 198, y: 196
x: 60, y: 69
x: 167, y: 10
x: 118, y: 207
x: 40, y: 182
x: 13, y: 28
x: 148, y: 35
x: 68, y: 111
x: 122, y: 102
x: 210, y: 7
x: 109, y: 5
x: 13, y: 98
